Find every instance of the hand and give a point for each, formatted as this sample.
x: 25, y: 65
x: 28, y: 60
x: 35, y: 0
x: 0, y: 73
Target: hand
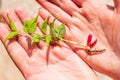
x: 63, y: 63
x: 84, y: 17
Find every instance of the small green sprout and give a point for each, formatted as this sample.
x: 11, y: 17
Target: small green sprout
x: 44, y: 26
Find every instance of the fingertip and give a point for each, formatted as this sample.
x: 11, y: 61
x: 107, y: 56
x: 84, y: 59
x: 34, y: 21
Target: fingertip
x: 5, y: 12
x: 22, y: 14
x: 18, y: 9
x: 43, y: 12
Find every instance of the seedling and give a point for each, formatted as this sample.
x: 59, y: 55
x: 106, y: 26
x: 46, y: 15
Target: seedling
x: 55, y: 34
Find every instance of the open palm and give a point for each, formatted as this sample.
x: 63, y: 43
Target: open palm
x: 63, y: 63
x: 84, y: 17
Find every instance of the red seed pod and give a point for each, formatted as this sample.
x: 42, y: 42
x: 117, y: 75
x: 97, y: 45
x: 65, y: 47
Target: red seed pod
x: 90, y: 41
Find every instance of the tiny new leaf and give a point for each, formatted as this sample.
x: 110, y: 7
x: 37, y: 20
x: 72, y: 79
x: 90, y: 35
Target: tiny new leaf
x: 44, y: 26
x: 12, y: 25
x: 36, y: 38
x: 48, y: 40
x: 30, y: 25
x: 11, y: 35
x: 60, y: 31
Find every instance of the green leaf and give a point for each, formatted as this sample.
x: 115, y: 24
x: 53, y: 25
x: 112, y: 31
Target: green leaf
x: 48, y: 40
x: 11, y: 35
x: 44, y: 26
x: 60, y: 31
x: 52, y: 26
x: 12, y: 25
x: 36, y: 38
x: 30, y: 25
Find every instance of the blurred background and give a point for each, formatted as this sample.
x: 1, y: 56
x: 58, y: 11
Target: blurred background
x: 8, y: 70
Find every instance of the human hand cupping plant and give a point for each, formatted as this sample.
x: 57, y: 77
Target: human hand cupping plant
x: 31, y: 58
x: 84, y: 17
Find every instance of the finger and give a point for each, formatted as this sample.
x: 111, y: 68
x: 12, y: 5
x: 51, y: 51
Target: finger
x: 12, y: 16
x: 117, y: 5
x: 22, y: 14
x: 63, y: 16
x: 56, y: 11
x: 70, y: 8
x: 15, y: 50
x: 67, y: 5
x: 44, y: 14
x: 22, y: 39
x: 79, y: 2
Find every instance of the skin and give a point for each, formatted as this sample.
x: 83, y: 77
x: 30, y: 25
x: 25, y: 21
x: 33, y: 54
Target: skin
x: 63, y: 63
x: 83, y: 17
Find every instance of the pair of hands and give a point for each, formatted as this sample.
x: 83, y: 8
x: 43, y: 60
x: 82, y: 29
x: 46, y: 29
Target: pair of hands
x: 82, y: 17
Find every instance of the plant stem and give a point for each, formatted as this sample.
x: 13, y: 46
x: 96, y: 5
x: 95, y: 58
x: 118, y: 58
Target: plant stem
x: 76, y: 43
